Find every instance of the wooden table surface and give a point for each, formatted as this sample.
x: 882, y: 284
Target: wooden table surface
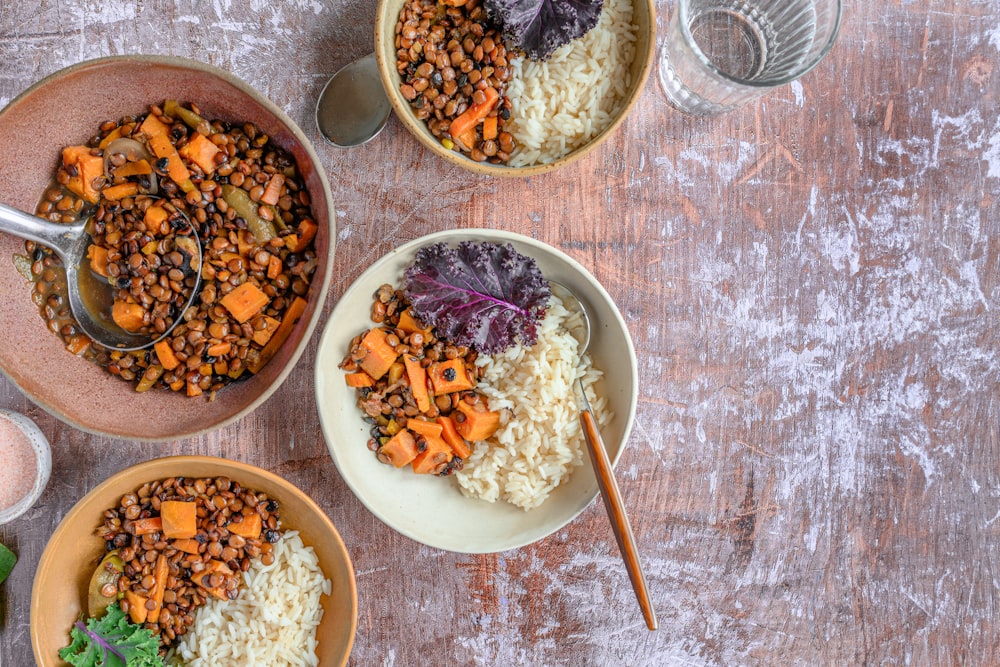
x: 811, y: 283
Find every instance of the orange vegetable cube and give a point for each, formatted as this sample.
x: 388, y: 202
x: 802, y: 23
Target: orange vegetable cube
x: 166, y: 355
x: 129, y: 316
x: 274, y: 267
x: 121, y: 191
x: 359, y: 379
x: 179, y: 518
x: 272, y: 192
x: 136, y: 607
x: 154, y: 219
x: 408, y: 324
x: 148, y: 526
x: 424, y: 427
x: 270, y: 326
x: 245, y: 301
x: 98, y: 259
x: 201, y: 151
x: 437, y: 452
x: 400, y: 449
x: 212, y: 567
x: 250, y: 526
x: 188, y: 546
x: 379, y: 355
x: 292, y: 316
x: 137, y: 168
x: 478, y: 422
x: 490, y: 127
x: 88, y: 168
x: 449, y: 376
x: 418, y: 382
x: 306, y: 232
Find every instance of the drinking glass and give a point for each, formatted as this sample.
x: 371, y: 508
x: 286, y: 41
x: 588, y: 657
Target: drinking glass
x: 719, y: 54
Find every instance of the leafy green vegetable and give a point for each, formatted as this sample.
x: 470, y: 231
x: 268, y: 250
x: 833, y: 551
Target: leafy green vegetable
x: 111, y: 641
x: 539, y: 27
x: 484, y: 296
x: 7, y: 560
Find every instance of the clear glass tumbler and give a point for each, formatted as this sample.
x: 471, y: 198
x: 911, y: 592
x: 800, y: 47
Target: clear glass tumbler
x: 719, y: 54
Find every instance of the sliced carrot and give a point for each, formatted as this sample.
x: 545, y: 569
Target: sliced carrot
x: 274, y: 267
x: 475, y: 113
x: 272, y: 192
x: 400, y: 449
x: 188, y: 546
x: 121, y: 191
x: 160, y: 573
x: 418, y: 382
x: 454, y: 440
x: 166, y: 355
x: 201, y: 151
x: 424, y: 427
x: 292, y: 315
x: 306, y: 232
x: 148, y: 526
x: 250, y: 526
x: 490, y: 127
x: 245, y: 301
x: 136, y: 607
x: 98, y: 259
x: 129, y: 316
x: 137, y: 168
x: 112, y: 135
x: 219, y: 349
x: 359, y: 379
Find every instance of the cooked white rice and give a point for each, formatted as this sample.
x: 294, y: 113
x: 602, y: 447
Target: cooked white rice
x: 272, y: 623
x: 559, y: 105
x: 539, y: 441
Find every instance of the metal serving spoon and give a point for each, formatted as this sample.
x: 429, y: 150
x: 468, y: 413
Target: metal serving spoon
x: 70, y: 243
x: 353, y: 107
x: 602, y: 465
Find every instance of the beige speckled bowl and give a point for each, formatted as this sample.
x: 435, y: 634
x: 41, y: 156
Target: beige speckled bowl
x: 66, y: 108
x: 60, y: 588
x: 644, y: 18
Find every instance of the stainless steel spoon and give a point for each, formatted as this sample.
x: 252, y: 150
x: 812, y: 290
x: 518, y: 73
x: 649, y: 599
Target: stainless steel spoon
x: 70, y: 242
x: 353, y: 107
x: 602, y: 465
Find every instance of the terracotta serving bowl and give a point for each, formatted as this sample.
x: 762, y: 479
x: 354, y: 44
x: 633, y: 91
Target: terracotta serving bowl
x: 430, y: 509
x: 644, y: 19
x: 66, y: 108
x: 61, y: 580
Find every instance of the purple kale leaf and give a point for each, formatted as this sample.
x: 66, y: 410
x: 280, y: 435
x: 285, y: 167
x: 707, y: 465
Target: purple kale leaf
x: 485, y: 296
x: 539, y: 27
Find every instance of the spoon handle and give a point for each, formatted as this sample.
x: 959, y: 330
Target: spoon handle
x: 60, y: 237
x: 616, y: 512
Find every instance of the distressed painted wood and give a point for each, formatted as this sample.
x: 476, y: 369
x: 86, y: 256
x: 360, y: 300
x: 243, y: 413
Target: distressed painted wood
x: 812, y: 286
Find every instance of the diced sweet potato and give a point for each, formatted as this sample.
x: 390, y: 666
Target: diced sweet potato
x: 129, y: 316
x: 274, y: 267
x: 245, y: 301
x: 201, y: 151
x: 160, y: 573
x: 424, y: 427
x: 449, y: 376
x: 450, y: 435
x: 250, y: 526
x: 292, y: 315
x: 180, y: 520
x: 306, y: 232
x: 98, y: 259
x: 148, y: 526
x: 154, y: 219
x: 478, y: 423
x: 272, y: 192
x: 212, y: 567
x: 87, y: 167
x: 437, y: 452
x: 359, y: 379
x: 379, y: 355
x: 400, y: 449
x: 121, y: 191
x: 137, y: 168
x: 408, y: 324
x: 261, y: 336
x: 418, y: 382
x: 158, y: 138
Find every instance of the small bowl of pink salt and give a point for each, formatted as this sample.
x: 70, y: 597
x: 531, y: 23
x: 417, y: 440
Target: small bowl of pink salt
x: 27, y: 463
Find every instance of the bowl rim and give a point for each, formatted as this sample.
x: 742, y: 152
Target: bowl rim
x: 384, y: 22
x: 49, y: 557
x: 321, y: 291
x: 500, y: 236
x: 43, y: 463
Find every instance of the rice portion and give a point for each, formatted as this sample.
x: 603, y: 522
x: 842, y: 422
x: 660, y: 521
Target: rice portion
x: 559, y: 105
x: 274, y: 620
x: 539, y: 442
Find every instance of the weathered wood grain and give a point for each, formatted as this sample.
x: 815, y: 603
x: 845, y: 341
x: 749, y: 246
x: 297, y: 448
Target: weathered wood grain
x: 811, y: 284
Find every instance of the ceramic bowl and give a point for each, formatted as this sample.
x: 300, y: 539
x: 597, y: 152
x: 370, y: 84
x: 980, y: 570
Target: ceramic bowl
x: 22, y: 432
x: 644, y: 19
x: 59, y: 592
x: 34, y: 359
x: 430, y: 509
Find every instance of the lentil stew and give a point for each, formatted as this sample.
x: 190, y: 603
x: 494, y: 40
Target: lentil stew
x: 245, y: 198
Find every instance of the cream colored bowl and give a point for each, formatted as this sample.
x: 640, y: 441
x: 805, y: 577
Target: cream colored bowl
x: 643, y: 17
x: 60, y: 589
x: 431, y: 509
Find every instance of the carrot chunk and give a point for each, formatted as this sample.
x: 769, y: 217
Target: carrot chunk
x: 437, y: 452
x: 158, y: 137
x: 88, y: 168
x: 129, y: 316
x: 166, y: 355
x: 272, y: 192
x: 418, y: 382
x: 449, y: 376
x: 137, y: 168
x: 284, y: 330
x: 379, y: 355
x: 249, y: 527
x: 121, y: 191
x: 450, y: 435
x: 490, y: 127
x: 188, y: 546
x: 98, y: 259
x: 475, y: 113
x: 359, y: 379
x: 424, y: 428
x: 245, y: 301
x: 306, y: 232
x: 136, y: 607
x: 154, y: 219
x: 409, y: 324
x: 153, y: 524
x: 478, y: 423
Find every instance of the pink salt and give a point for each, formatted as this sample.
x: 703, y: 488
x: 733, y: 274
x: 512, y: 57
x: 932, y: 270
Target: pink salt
x: 18, y: 467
